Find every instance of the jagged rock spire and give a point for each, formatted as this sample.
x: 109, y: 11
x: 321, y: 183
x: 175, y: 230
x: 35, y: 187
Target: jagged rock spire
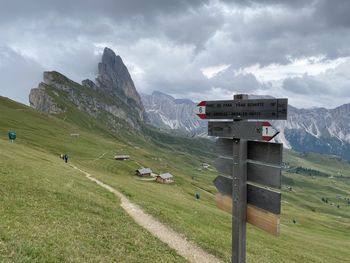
x: 113, y: 75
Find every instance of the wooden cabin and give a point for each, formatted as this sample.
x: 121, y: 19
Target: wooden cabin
x: 122, y: 157
x: 143, y: 172
x: 165, y: 178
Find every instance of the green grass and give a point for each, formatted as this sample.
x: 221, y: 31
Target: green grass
x: 321, y: 233
x: 50, y: 213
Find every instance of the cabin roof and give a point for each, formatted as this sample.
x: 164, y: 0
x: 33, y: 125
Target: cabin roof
x: 144, y: 171
x: 121, y: 156
x: 166, y: 176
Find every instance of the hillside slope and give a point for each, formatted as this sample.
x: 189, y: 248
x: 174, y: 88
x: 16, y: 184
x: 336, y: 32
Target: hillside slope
x: 32, y: 160
x: 50, y: 213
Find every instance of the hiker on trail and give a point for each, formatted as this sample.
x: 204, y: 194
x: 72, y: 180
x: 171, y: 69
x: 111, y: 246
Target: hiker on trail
x: 65, y: 157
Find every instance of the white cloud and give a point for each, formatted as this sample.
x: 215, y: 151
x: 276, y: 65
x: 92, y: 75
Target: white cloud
x: 297, y: 67
x: 211, y: 72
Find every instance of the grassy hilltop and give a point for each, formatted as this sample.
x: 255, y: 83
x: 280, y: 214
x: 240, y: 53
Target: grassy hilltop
x: 50, y: 212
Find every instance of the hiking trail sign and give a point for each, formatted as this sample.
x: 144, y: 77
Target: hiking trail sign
x: 243, y: 109
x: 12, y: 136
x: 244, y: 130
x: 250, y: 167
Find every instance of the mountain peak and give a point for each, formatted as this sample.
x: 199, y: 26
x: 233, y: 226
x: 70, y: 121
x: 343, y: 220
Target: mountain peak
x: 113, y: 92
x: 157, y: 93
x: 114, y: 77
x: 110, y: 58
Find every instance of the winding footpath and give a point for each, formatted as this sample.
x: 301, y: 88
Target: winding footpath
x: 187, y: 249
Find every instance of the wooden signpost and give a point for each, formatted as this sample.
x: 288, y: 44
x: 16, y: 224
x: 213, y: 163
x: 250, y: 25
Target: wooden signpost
x: 250, y: 167
x: 243, y: 109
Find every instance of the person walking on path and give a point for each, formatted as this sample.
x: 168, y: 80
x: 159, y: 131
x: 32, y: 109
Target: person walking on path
x: 65, y: 157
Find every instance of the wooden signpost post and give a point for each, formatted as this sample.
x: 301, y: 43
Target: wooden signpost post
x: 250, y: 167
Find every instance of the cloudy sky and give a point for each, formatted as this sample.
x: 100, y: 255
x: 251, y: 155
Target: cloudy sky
x: 187, y: 48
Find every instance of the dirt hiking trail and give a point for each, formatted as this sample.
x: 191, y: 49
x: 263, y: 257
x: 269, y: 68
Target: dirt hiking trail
x: 187, y: 249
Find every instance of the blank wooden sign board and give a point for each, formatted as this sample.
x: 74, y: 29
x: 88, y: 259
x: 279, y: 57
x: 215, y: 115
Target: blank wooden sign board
x: 263, y: 182
x: 260, y: 218
x: 263, y: 205
x: 250, y: 168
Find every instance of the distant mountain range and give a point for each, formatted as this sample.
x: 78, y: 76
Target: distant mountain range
x: 165, y: 112
x: 112, y: 98
x: 108, y: 105
x: 306, y: 130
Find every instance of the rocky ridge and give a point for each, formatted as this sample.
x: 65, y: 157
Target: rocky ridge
x: 113, y: 92
x: 166, y: 112
x: 306, y: 130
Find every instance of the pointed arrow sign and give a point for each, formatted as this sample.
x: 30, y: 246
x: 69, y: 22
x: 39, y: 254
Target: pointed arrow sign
x: 254, y: 130
x: 261, y: 197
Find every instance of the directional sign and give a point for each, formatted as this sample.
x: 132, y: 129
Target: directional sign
x: 258, y: 109
x: 260, y: 173
x: 257, y: 196
x: 264, y: 220
x: 252, y: 130
x: 269, y: 153
x: 249, y: 167
x: 264, y: 174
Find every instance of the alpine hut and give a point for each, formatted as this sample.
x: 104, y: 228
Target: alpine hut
x: 165, y: 178
x: 144, y: 172
x: 122, y: 157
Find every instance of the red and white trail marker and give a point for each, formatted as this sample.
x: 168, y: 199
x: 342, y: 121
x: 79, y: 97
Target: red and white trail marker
x: 268, y: 131
x: 200, y: 110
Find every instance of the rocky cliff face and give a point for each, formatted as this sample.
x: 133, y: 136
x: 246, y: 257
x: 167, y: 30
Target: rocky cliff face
x: 306, y: 130
x: 166, y: 112
x: 113, y: 92
x: 39, y: 99
x: 317, y: 130
x: 114, y: 77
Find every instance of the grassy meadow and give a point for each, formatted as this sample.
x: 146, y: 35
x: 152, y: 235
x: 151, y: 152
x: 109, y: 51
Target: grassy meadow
x: 50, y: 212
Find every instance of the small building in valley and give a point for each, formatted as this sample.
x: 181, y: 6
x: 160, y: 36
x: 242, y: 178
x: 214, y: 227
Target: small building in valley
x: 122, y: 157
x: 143, y: 172
x: 165, y: 178
x: 205, y: 166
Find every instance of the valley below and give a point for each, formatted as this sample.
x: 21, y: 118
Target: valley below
x: 51, y: 212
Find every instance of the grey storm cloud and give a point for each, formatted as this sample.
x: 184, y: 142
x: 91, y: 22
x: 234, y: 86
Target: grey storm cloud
x: 166, y: 43
x: 92, y: 9
x: 328, y: 88
x: 27, y: 74
x: 238, y: 83
x: 307, y: 85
